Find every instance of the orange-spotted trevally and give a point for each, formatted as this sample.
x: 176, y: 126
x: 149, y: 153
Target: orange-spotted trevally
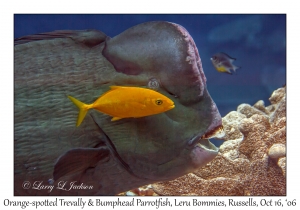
x: 223, y: 63
x: 104, y: 157
x: 123, y: 102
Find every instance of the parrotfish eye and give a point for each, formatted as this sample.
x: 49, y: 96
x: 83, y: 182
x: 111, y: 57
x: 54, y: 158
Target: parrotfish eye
x: 153, y: 84
x: 158, y: 102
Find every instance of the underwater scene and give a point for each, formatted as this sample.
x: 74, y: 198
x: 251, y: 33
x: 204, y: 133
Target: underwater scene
x: 150, y: 104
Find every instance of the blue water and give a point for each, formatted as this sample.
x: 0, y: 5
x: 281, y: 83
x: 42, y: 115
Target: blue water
x: 258, y: 42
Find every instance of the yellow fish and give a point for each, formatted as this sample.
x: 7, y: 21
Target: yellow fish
x: 123, y: 102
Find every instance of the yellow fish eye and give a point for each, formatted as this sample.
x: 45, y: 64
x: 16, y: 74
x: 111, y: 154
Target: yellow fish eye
x: 158, y: 102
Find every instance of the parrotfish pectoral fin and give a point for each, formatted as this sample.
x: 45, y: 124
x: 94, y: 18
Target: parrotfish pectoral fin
x: 78, y: 160
x: 82, y: 109
x: 115, y: 118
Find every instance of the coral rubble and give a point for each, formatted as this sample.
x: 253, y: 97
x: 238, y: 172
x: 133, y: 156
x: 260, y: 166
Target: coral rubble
x: 251, y: 162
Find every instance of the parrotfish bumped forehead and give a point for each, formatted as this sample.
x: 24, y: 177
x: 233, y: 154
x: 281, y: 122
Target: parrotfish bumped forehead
x: 163, y: 49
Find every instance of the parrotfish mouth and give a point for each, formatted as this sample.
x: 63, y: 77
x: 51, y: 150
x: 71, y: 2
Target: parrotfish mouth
x: 203, y: 150
x: 216, y: 132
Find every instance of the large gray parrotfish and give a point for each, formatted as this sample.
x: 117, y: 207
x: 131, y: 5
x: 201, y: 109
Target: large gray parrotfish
x: 102, y: 157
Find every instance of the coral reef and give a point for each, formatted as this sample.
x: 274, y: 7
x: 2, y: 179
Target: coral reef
x: 251, y: 162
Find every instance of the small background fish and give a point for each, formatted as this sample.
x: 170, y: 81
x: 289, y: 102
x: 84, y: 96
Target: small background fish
x: 223, y: 63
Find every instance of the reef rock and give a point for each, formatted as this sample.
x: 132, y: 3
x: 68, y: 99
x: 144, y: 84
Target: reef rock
x: 251, y: 162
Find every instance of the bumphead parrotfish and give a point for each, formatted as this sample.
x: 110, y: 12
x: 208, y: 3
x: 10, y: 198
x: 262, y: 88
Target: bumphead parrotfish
x: 102, y: 157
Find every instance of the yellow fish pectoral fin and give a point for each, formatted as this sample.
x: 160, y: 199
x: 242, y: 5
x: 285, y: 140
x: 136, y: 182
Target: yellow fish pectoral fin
x: 116, y: 118
x: 82, y: 109
x: 137, y: 105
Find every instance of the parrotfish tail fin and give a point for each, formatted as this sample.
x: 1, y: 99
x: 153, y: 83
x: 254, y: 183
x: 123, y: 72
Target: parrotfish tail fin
x: 82, y: 109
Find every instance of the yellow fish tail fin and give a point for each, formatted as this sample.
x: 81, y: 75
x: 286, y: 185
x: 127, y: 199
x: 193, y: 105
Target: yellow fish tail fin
x: 83, y: 108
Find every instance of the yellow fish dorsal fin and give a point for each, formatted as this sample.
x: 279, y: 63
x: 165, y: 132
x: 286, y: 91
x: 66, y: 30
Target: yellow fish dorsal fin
x: 115, y: 87
x: 111, y: 89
